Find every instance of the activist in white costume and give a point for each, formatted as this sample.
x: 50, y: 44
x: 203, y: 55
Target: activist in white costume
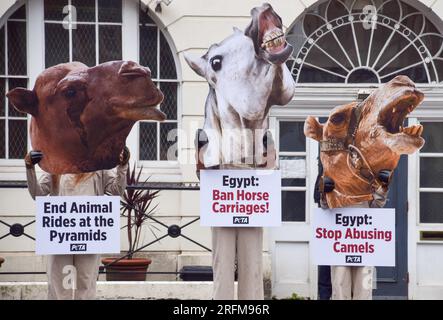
x: 95, y: 183
x: 247, y: 75
x: 360, y: 146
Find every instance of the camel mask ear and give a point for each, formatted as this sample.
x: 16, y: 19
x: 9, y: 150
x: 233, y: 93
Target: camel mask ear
x: 313, y: 129
x: 24, y: 100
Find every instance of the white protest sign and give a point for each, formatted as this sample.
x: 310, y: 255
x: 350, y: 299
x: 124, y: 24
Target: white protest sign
x: 78, y: 225
x: 240, y: 198
x: 354, y: 237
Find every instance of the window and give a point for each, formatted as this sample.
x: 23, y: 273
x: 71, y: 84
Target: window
x: 94, y: 34
x: 158, y: 141
x: 13, y: 73
x: 363, y: 41
x: 292, y: 162
x: 431, y: 173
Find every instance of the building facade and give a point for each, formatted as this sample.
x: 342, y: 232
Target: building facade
x: 341, y: 48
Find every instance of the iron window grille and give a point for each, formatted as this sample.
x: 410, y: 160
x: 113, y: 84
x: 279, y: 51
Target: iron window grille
x: 13, y: 73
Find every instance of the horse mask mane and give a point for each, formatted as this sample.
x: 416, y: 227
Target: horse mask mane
x: 246, y: 73
x: 81, y: 116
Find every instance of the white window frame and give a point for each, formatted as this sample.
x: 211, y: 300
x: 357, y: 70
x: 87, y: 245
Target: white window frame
x: 162, y: 167
x: 11, y: 165
x: 275, y: 126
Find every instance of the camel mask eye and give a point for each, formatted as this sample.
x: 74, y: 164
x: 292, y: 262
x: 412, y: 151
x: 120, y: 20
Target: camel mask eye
x: 338, y: 118
x: 216, y: 63
x: 70, y: 93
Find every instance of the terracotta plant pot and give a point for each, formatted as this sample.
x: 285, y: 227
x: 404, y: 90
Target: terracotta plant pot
x: 1, y: 261
x: 126, y: 269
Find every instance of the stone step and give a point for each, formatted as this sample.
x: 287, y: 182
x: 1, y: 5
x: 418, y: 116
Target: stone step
x: 121, y: 290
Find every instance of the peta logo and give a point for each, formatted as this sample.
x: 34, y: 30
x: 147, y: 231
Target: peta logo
x: 78, y: 247
x: 241, y: 220
x: 353, y: 259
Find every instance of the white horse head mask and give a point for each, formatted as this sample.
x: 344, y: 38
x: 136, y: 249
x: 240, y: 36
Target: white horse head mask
x: 247, y: 75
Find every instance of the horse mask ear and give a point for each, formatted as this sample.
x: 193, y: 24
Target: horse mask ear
x: 313, y: 129
x: 197, y: 64
x: 24, y: 100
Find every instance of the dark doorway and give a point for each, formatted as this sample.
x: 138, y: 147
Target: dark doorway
x: 392, y: 282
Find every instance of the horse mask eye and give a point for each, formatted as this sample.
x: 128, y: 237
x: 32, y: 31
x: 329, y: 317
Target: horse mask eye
x: 216, y: 63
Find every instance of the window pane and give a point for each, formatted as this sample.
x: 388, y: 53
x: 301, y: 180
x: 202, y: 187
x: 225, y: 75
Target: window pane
x: 2, y: 138
x: 83, y: 44
x: 148, y: 141
x: 14, y: 83
x: 2, y: 50
x: 109, y: 10
x: 430, y: 207
x: 17, y: 48
x: 85, y: 9
x: 56, y: 44
x: 2, y: 99
x: 54, y: 9
x: 169, y: 104
x: 293, y: 171
x: 168, y: 141
x: 431, y: 173
x: 110, y: 43
x: 293, y: 206
x: 292, y: 137
x: 20, y: 13
x: 432, y: 133
x: 18, y: 134
x: 148, y: 48
x: 167, y: 64
x: 145, y: 18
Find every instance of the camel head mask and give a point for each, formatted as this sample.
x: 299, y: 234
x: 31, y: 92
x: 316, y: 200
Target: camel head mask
x: 247, y: 74
x: 81, y: 116
x: 361, y: 143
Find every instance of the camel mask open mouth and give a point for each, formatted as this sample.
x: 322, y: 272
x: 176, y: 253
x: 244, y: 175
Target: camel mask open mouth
x: 402, y: 140
x: 266, y: 31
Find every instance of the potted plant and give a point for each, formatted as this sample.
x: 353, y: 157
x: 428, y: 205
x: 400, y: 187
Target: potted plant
x: 136, y: 207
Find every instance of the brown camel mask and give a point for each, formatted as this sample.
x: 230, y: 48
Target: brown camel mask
x: 361, y: 141
x: 81, y: 116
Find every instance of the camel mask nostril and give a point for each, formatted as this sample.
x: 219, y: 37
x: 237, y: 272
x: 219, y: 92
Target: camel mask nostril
x: 81, y: 116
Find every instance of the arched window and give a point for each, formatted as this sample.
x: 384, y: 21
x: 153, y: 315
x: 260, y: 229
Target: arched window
x: 13, y: 73
x: 366, y: 41
x: 156, y: 139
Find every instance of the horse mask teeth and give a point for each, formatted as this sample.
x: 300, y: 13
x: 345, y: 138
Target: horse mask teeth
x: 81, y: 116
x: 266, y: 31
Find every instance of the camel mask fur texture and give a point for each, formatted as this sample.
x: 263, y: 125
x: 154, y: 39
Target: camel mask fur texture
x: 81, y: 116
x: 247, y: 75
x: 379, y: 136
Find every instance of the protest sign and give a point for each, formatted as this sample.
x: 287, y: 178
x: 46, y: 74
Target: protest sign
x: 354, y: 236
x: 78, y: 225
x: 240, y: 198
